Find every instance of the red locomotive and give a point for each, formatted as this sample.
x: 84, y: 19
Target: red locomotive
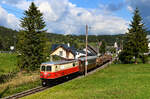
x: 52, y: 71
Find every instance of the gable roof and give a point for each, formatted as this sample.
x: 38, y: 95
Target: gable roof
x: 66, y: 47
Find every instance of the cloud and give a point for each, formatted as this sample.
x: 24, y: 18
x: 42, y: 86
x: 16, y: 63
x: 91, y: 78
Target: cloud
x: 144, y: 6
x: 61, y: 16
x: 112, y: 7
x: 8, y: 20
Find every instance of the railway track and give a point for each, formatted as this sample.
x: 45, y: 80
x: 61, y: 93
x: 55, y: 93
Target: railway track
x: 40, y: 88
x: 25, y: 93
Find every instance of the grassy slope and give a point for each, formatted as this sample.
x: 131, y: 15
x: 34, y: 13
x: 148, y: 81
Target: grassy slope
x: 8, y: 62
x: 21, y: 82
x: 115, y: 82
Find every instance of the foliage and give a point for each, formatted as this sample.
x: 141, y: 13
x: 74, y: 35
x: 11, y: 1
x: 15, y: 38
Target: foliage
x: 144, y: 58
x: 102, y: 48
x: 7, y: 38
x: 136, y: 43
x: 31, y: 40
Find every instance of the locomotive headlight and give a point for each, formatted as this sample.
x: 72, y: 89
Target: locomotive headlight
x: 41, y: 74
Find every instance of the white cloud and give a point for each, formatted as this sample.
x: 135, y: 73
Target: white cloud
x: 62, y: 16
x: 8, y: 20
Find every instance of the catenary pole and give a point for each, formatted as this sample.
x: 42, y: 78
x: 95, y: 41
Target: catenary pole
x: 86, y: 63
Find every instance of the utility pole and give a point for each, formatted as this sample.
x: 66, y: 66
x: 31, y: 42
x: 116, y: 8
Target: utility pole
x: 86, y: 63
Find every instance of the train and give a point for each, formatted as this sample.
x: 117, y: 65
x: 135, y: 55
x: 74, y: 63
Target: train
x: 53, y: 71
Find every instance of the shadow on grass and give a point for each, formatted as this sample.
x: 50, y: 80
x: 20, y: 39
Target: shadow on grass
x: 3, y: 92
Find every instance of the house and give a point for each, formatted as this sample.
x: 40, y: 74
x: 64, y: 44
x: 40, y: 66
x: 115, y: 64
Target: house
x: 68, y: 52
x: 64, y: 51
x: 91, y: 50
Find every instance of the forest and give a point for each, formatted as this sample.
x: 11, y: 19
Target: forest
x: 8, y: 37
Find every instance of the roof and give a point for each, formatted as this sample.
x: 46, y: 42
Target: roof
x: 81, y: 51
x: 88, y: 58
x: 71, y: 48
x: 54, y: 46
x: 92, y: 50
x: 64, y: 61
x: 58, y: 62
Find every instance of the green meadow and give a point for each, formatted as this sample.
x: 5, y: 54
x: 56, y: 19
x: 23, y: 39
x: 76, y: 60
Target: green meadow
x: 117, y: 81
x: 8, y: 62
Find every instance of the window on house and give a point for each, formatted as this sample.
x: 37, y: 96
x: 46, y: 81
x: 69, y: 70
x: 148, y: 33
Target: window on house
x: 60, y: 53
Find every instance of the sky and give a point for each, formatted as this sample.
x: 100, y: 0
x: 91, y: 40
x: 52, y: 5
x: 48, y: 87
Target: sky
x: 104, y: 17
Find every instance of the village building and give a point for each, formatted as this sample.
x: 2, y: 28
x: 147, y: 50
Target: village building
x: 67, y: 52
x: 64, y: 51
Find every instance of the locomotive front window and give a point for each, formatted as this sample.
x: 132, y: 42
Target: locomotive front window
x: 48, y: 68
x: 43, y: 68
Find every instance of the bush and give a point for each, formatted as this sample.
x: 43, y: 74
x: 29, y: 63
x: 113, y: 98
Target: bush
x: 125, y: 58
x: 144, y: 59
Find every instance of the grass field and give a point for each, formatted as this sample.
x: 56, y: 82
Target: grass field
x: 21, y: 82
x: 117, y: 81
x: 8, y: 62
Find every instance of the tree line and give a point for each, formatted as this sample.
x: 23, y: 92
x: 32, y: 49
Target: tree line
x: 8, y: 37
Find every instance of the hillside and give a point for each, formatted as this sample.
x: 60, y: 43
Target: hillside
x: 8, y: 38
x: 118, y: 81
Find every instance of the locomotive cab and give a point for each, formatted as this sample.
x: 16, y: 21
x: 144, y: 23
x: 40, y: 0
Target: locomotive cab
x: 50, y: 72
x: 46, y: 71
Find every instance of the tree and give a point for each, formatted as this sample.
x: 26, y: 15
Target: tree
x: 102, y: 48
x: 32, y: 39
x: 136, y: 43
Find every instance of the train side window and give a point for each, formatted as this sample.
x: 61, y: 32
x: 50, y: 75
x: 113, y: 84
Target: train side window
x: 73, y: 64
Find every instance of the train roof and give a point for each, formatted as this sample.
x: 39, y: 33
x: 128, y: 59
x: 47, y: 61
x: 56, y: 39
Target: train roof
x: 88, y: 58
x: 59, y: 62
x: 64, y: 61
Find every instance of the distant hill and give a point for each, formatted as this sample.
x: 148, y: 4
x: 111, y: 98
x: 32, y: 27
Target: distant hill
x: 109, y: 39
x: 7, y: 38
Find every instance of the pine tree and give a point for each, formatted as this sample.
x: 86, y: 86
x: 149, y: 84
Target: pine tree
x: 32, y: 39
x: 136, y: 43
x: 102, y: 48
